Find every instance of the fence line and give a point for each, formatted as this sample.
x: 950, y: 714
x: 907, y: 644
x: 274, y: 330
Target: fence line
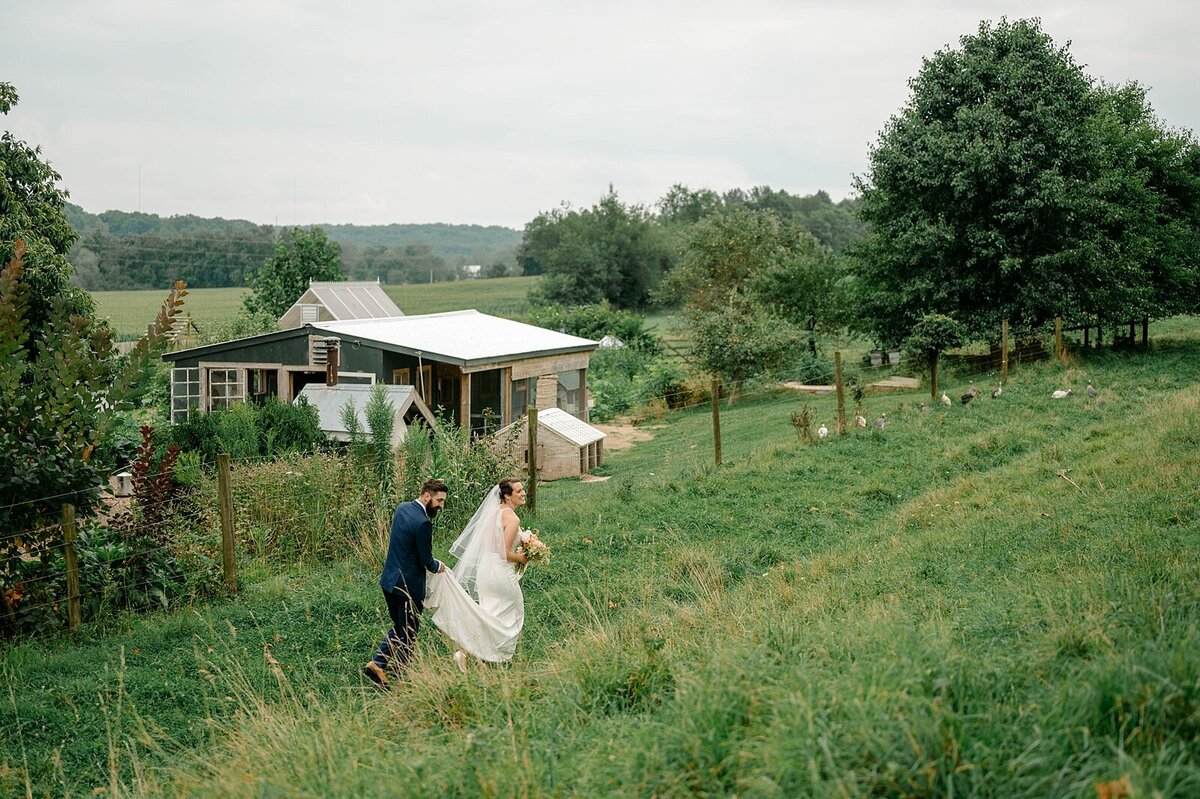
x: 237, y: 500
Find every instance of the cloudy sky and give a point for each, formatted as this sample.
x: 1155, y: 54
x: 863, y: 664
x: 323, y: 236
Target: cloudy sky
x: 489, y: 112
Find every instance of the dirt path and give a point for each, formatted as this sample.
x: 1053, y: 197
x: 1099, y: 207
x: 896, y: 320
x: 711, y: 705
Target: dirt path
x: 620, y: 434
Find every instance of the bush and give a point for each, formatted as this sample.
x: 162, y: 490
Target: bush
x: 246, y: 431
x: 595, y: 322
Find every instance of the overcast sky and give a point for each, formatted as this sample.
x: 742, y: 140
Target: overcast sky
x: 490, y: 112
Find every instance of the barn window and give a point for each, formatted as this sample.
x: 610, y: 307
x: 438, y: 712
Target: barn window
x: 226, y: 388
x: 185, y: 393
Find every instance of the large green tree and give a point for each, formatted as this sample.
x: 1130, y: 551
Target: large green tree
x: 61, y: 383
x: 1010, y: 186
x: 33, y: 210
x: 749, y: 285
x: 301, y: 256
x: 610, y: 253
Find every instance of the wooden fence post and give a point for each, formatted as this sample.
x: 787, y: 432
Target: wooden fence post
x: 1004, y: 351
x: 841, y: 392
x: 716, y: 418
x: 225, y: 494
x: 1146, y: 332
x: 532, y: 439
x: 1058, y: 341
x: 74, y: 614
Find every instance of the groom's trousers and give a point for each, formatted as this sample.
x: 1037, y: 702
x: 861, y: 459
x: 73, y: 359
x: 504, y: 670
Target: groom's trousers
x: 397, y: 645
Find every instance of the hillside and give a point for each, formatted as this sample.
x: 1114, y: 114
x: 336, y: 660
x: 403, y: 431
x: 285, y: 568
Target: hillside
x: 999, y: 599
x: 133, y: 250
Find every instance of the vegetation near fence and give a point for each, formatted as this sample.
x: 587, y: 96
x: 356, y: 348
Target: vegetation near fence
x: 991, y: 600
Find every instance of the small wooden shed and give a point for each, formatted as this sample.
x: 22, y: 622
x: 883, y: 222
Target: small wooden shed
x: 567, y: 446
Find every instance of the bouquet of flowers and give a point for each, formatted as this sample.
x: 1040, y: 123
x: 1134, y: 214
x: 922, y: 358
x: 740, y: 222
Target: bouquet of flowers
x: 533, y: 548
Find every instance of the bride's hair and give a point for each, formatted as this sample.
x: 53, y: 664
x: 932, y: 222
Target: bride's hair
x: 506, y: 487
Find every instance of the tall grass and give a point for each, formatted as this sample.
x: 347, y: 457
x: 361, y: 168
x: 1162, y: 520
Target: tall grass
x: 999, y: 599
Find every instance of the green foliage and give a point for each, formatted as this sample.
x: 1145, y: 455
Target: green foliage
x: 835, y: 225
x: 62, y: 390
x: 609, y: 253
x: 370, y: 449
x: 740, y: 341
x: 930, y: 337
x: 248, y: 431
x: 301, y: 256
x: 595, y: 322
x: 933, y: 334
x: 748, y: 283
x: 123, y: 250
x: 241, y: 325
x: 32, y: 210
x: 624, y: 379
x: 1070, y: 658
x: 304, y: 507
x: 469, y: 465
x: 1011, y: 187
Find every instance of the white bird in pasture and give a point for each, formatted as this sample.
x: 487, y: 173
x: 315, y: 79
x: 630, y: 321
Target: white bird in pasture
x: 924, y: 408
x: 860, y: 420
x: 1061, y: 394
x: 881, y: 421
x: 946, y: 400
x: 999, y: 390
x: 1091, y: 392
x: 822, y: 431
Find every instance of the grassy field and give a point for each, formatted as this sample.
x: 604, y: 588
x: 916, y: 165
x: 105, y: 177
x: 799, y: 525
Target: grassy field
x: 993, y: 600
x: 131, y: 311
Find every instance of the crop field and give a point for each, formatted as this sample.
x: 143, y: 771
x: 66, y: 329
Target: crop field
x: 131, y: 311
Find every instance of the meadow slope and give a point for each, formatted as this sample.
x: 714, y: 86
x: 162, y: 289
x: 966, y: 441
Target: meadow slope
x: 1000, y: 599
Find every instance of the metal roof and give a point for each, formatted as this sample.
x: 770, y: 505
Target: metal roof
x: 577, y: 431
x: 466, y: 337
x: 329, y: 401
x: 344, y: 300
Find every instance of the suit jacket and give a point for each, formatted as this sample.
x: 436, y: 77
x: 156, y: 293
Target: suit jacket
x: 410, y: 553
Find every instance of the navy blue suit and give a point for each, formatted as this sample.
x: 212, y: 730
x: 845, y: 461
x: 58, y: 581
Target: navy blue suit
x: 409, y: 557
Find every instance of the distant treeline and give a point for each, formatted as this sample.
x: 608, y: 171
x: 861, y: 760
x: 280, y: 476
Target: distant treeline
x: 119, y: 250
x: 131, y: 250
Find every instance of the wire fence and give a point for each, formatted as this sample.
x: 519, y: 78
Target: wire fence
x: 153, y: 550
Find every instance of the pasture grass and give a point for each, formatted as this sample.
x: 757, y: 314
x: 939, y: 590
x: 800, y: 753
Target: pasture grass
x: 131, y: 311
x: 993, y: 600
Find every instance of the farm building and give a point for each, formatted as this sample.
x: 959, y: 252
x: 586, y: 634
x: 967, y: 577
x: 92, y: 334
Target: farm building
x: 482, y: 371
x: 338, y: 301
x: 567, y: 446
x: 331, y: 402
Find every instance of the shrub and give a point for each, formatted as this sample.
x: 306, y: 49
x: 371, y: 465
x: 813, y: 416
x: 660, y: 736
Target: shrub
x: 248, y: 431
x: 596, y: 322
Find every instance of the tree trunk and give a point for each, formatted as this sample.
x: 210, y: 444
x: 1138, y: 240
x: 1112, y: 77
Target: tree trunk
x: 933, y: 392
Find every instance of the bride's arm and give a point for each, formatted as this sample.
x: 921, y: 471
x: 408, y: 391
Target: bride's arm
x: 512, y: 528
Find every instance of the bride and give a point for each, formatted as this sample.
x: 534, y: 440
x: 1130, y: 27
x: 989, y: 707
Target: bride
x: 479, y: 604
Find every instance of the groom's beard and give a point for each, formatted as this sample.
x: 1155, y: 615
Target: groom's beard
x: 431, y: 512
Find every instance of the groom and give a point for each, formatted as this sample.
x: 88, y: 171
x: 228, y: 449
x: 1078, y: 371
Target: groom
x: 409, y: 556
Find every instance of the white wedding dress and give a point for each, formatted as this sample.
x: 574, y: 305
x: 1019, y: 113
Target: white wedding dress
x: 479, y: 604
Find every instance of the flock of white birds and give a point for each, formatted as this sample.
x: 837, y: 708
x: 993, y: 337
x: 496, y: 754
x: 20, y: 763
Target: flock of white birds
x: 971, y: 393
